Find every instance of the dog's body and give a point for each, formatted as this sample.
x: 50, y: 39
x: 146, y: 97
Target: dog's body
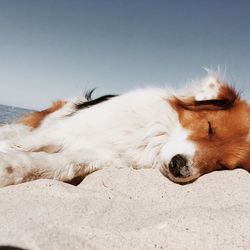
x: 147, y: 128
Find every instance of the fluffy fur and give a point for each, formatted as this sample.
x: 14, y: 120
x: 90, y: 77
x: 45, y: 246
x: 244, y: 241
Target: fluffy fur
x: 184, y: 135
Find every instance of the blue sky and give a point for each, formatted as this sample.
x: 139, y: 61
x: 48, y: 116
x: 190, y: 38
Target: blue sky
x: 55, y: 49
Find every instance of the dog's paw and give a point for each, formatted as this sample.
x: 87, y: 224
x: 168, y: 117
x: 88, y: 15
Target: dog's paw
x: 7, y: 173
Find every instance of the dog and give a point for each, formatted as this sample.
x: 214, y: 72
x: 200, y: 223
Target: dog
x: 184, y: 134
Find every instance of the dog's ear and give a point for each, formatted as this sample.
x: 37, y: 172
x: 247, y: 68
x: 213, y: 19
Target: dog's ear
x: 226, y: 98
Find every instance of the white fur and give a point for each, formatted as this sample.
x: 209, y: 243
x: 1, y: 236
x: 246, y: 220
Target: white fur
x: 209, y: 90
x: 139, y: 129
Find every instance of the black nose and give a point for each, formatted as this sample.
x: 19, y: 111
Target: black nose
x: 178, y: 166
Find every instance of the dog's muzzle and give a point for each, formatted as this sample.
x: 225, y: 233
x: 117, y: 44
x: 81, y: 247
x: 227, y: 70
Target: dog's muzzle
x: 178, y: 166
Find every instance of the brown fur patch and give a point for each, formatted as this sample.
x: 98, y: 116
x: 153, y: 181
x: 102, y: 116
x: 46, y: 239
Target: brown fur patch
x: 49, y: 149
x: 9, y: 169
x: 34, y: 119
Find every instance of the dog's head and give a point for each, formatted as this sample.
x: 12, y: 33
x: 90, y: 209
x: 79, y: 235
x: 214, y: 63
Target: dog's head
x: 213, y: 134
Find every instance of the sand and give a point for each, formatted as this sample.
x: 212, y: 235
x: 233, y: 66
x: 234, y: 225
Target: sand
x: 128, y: 209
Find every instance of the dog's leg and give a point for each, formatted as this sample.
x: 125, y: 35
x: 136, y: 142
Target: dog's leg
x: 11, y: 131
x: 18, y: 167
x: 40, y: 140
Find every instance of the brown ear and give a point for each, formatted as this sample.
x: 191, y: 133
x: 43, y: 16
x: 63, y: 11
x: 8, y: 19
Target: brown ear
x: 225, y: 100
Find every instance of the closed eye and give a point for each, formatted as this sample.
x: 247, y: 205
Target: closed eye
x: 210, y: 129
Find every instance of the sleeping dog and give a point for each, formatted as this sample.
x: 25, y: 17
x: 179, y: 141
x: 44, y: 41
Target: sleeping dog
x: 184, y: 134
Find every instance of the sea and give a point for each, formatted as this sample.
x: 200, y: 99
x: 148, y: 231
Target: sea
x: 10, y: 114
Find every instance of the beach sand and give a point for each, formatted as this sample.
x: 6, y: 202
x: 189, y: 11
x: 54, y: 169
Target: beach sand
x: 128, y: 209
